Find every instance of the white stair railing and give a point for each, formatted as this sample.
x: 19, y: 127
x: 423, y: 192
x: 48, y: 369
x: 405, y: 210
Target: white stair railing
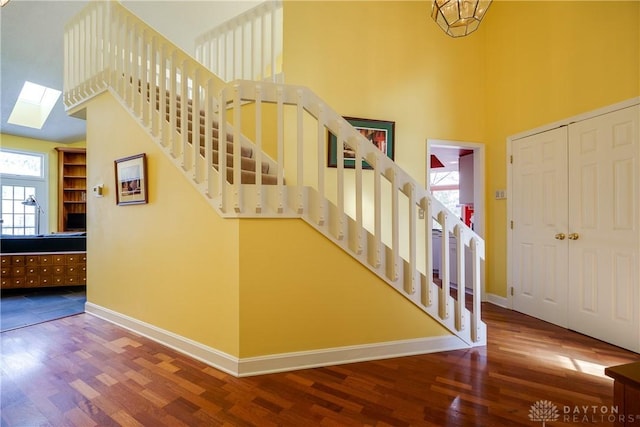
x: 248, y: 46
x: 382, y: 216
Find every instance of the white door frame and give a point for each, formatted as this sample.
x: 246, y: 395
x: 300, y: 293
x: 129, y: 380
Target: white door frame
x: 564, y: 122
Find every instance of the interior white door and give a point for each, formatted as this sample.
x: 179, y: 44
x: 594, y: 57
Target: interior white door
x: 604, y: 188
x: 540, y: 259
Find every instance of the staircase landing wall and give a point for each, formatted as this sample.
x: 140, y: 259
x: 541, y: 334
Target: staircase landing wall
x: 301, y: 292
x: 172, y: 263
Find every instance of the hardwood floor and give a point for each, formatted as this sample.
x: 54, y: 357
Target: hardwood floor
x: 83, y: 371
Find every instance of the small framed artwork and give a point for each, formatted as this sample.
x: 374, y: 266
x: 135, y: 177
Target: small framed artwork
x: 379, y: 132
x: 131, y: 180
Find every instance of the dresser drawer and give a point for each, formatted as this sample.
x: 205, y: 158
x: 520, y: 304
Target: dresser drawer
x: 73, y: 259
x: 32, y: 281
x: 46, y: 281
x: 32, y: 260
x: 71, y: 280
x: 17, y: 282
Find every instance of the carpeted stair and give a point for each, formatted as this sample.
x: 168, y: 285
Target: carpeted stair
x: 248, y: 163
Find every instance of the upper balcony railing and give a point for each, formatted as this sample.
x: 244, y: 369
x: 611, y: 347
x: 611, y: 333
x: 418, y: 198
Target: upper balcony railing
x: 248, y: 46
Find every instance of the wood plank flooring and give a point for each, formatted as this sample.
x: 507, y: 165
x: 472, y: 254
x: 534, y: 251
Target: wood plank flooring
x: 83, y: 371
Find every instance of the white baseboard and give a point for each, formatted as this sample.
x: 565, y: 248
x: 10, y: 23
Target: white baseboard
x: 278, y: 362
x: 209, y: 355
x: 497, y: 300
x: 349, y: 354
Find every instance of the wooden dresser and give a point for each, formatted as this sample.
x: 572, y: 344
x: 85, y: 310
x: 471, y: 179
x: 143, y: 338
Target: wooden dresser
x: 626, y: 393
x: 33, y: 270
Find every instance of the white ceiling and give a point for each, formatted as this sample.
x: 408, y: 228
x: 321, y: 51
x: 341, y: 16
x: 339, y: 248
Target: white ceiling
x: 31, y: 48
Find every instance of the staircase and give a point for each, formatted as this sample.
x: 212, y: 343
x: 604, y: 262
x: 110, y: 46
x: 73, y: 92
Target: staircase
x: 381, y: 217
x: 248, y: 164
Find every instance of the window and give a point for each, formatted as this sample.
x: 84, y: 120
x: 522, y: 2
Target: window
x: 21, y: 164
x: 23, y: 176
x: 445, y: 188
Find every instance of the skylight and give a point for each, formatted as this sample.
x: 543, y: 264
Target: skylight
x: 34, y: 105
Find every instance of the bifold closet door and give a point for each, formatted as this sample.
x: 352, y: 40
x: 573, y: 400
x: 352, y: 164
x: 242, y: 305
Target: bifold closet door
x: 540, y: 216
x: 604, y: 227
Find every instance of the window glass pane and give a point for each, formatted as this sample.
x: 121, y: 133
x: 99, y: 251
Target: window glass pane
x: 7, y: 206
x: 25, y: 164
x: 7, y: 192
x: 18, y: 193
x: 18, y: 207
x: 30, y: 221
x: 7, y: 220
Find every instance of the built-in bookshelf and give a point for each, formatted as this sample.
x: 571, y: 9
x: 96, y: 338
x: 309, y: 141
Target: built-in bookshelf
x: 72, y: 189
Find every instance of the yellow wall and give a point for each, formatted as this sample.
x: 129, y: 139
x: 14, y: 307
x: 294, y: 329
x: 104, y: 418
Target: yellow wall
x: 530, y: 63
x: 299, y: 291
x: 585, y: 56
x: 246, y: 287
x: 172, y: 262
x: 48, y: 148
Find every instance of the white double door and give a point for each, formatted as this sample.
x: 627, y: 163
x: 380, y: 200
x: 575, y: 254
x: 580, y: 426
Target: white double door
x: 576, y: 227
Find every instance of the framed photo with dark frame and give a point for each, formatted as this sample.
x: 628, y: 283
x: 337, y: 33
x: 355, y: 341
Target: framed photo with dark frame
x: 131, y: 180
x: 380, y: 133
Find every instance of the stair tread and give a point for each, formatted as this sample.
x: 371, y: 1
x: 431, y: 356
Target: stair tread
x: 248, y: 163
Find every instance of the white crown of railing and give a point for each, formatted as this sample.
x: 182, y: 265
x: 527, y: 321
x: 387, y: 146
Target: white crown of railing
x: 248, y: 46
x: 382, y: 217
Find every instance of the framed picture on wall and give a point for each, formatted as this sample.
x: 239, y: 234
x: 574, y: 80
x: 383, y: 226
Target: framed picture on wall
x: 380, y: 133
x: 131, y: 180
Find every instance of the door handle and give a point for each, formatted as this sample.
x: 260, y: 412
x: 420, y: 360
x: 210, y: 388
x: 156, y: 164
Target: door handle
x: 560, y: 236
x: 574, y: 236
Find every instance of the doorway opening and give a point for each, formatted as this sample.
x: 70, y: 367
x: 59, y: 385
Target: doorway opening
x: 455, y: 176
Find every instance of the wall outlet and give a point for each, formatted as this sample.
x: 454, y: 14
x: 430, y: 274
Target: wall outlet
x: 501, y: 194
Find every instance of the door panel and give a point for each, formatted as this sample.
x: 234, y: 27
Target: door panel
x: 540, y: 213
x: 603, y: 187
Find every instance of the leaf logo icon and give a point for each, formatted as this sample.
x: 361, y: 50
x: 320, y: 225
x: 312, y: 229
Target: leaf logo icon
x: 543, y: 410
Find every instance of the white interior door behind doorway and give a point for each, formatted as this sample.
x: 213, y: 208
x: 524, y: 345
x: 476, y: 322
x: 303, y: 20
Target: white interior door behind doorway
x: 540, y: 222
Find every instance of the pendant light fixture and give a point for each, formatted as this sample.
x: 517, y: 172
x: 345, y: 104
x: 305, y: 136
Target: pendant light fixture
x: 459, y: 18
